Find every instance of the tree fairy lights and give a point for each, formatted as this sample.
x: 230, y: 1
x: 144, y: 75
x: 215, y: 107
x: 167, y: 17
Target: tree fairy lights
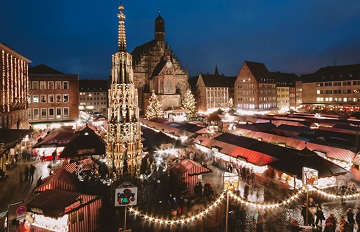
x: 246, y: 203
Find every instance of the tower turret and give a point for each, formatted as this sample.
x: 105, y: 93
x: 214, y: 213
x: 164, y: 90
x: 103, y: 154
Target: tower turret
x: 159, y: 28
x: 121, y: 30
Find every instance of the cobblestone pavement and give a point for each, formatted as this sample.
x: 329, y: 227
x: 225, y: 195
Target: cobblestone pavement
x: 12, y: 190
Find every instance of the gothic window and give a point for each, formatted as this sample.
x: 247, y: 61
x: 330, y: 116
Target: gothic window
x: 168, y: 87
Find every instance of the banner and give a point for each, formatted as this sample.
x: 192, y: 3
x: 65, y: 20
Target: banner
x: 310, y: 176
x: 126, y: 195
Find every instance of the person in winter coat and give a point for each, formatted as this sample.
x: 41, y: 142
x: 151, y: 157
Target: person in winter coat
x: 331, y: 221
x: 319, y: 216
x: 344, y: 225
x: 350, y: 218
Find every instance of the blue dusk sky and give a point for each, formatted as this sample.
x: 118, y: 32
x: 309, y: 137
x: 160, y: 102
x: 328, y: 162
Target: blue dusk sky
x: 79, y: 37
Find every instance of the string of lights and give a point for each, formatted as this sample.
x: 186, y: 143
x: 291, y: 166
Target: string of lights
x: 242, y: 201
x: 334, y: 196
x: 181, y: 221
x: 267, y: 206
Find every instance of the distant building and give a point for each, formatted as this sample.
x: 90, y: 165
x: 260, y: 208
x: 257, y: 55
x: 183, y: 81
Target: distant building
x: 156, y: 68
x: 53, y: 95
x: 13, y: 88
x: 333, y: 88
x: 93, y: 96
x: 285, y: 90
x: 255, y: 88
x: 214, y: 91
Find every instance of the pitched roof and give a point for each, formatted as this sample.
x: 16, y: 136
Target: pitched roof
x: 10, y: 137
x: 259, y: 71
x: 93, y: 85
x: 284, y: 79
x: 43, y: 69
x: 213, y: 80
x: 59, y: 138
x: 53, y: 203
x: 86, y: 142
x: 60, y: 180
x: 333, y: 73
x: 191, y: 167
x: 293, y: 164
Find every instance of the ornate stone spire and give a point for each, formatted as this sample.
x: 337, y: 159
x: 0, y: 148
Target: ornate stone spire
x: 121, y: 32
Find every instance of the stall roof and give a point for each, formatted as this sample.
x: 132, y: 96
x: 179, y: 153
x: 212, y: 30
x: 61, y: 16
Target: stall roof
x: 293, y: 164
x: 68, y: 180
x: 10, y: 137
x: 190, y: 166
x: 57, y: 138
x: 86, y: 142
x: 52, y: 203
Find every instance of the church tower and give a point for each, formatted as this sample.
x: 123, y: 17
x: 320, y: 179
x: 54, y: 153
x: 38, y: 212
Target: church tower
x: 124, y: 147
x: 160, y: 29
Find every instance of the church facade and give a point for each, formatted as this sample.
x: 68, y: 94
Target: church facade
x: 156, y: 68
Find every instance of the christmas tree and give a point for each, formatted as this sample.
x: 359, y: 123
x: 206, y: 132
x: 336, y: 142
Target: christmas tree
x: 189, y: 104
x: 154, y: 110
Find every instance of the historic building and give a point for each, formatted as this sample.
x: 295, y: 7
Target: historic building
x: 93, y: 96
x: 124, y: 147
x: 156, y: 68
x: 333, y: 88
x: 285, y: 90
x: 255, y: 88
x: 53, y: 95
x: 13, y: 88
x: 214, y: 91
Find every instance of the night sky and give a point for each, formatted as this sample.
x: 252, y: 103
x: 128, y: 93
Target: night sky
x: 78, y: 36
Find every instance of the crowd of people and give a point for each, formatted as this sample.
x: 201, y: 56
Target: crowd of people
x: 313, y: 216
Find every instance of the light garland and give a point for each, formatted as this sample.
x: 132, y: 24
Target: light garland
x: 335, y: 196
x: 179, y: 221
x: 267, y: 206
x: 241, y: 201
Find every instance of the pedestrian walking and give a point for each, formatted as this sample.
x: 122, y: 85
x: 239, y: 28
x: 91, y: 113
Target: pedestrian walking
x: 319, y: 216
x: 54, y: 156
x: 21, y: 176
x: 344, y: 225
x: 331, y: 221
x: 32, y: 171
x: 350, y: 218
x: 27, y: 172
x: 357, y: 218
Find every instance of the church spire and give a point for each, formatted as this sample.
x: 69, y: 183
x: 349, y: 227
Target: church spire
x: 216, y: 70
x: 160, y: 28
x: 121, y: 32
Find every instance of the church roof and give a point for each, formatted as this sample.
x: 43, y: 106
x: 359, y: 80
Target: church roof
x: 159, y: 67
x: 43, y: 69
x: 141, y: 49
x: 213, y: 80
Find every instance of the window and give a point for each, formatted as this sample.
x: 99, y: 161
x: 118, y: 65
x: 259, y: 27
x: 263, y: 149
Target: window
x: 35, y: 85
x: 35, y: 99
x: 51, y: 98
x: 58, y: 97
x: 346, y: 91
x: 328, y: 91
x: 66, y: 112
x: 36, y: 114
x: 43, y: 98
x: 319, y: 84
x: 66, y: 98
x: 51, y: 113
x: 42, y: 84
x: 43, y: 113
x: 58, y: 112
x: 66, y: 84
x: 29, y: 112
x: 57, y: 84
x: 345, y: 83
x: 51, y: 85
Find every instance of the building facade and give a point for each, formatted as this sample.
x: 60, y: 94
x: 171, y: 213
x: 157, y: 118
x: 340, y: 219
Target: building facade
x: 53, y: 96
x: 124, y: 147
x: 333, y: 88
x: 13, y: 89
x: 285, y: 90
x: 255, y: 88
x: 156, y: 68
x: 214, y: 91
x: 93, y: 96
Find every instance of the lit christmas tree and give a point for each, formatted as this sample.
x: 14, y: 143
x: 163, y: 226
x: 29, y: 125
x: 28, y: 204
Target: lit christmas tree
x: 189, y: 103
x: 154, y: 110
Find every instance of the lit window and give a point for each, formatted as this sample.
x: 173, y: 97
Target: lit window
x: 35, y: 99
